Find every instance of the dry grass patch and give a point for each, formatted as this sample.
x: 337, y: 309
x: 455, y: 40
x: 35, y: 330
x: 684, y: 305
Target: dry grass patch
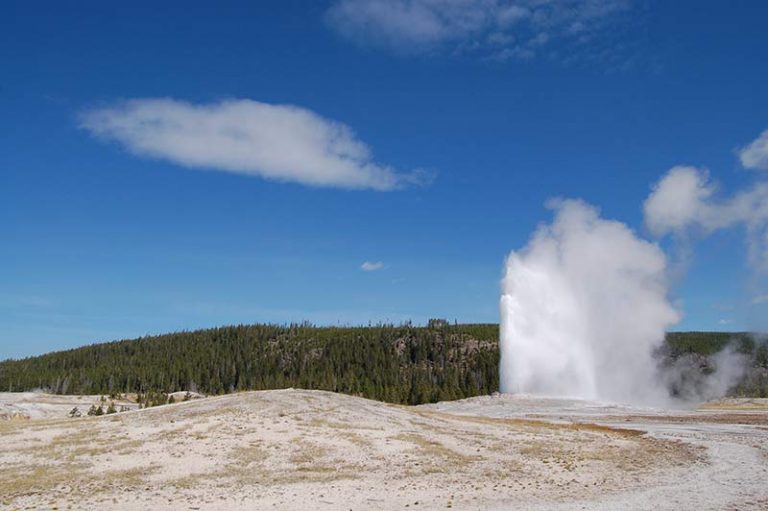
x: 253, y: 453
x: 317, y: 422
x: 439, y: 457
x: 173, y: 434
x: 18, y: 481
x: 132, y: 477
x: 80, y: 443
x: 63, y: 442
x: 306, y: 453
x: 316, y: 472
x: 188, y: 482
x: 624, y: 448
x: 10, y: 427
x: 555, y: 454
x: 540, y: 424
x: 737, y: 404
x: 356, y: 439
x: 746, y: 418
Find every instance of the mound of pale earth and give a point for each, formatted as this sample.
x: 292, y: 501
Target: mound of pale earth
x: 732, y: 435
x: 37, y: 405
x: 304, y: 450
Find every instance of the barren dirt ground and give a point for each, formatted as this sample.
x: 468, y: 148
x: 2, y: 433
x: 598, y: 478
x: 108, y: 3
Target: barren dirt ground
x: 297, y: 449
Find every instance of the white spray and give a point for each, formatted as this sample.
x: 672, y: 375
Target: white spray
x: 583, y: 307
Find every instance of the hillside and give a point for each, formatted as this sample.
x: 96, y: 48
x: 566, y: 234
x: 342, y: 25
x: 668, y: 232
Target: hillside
x: 304, y: 449
x: 399, y: 364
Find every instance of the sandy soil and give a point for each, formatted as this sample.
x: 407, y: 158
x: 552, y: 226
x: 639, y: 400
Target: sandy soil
x: 36, y: 405
x: 296, y: 449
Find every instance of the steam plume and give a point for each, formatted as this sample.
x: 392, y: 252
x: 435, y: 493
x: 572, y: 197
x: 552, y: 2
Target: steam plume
x: 583, y: 307
x: 686, y: 379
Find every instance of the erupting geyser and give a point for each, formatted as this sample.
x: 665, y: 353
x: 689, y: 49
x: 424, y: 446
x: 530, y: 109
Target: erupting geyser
x: 583, y: 307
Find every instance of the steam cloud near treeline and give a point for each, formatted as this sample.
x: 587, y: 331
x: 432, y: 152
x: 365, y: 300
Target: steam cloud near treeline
x: 585, y: 304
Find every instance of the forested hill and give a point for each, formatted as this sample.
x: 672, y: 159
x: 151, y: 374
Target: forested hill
x: 399, y: 364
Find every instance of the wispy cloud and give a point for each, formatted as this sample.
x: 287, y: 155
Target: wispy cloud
x: 278, y: 142
x: 686, y: 201
x: 493, y: 29
x: 761, y: 299
x: 372, y: 266
x: 755, y: 155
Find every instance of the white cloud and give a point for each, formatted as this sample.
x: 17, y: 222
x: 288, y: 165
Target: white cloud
x: 685, y: 201
x: 678, y: 200
x: 496, y: 29
x: 725, y: 322
x: 761, y: 299
x: 372, y: 266
x: 279, y: 142
x: 755, y: 155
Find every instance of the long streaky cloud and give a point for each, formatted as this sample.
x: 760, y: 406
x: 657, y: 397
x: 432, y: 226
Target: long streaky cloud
x: 493, y: 29
x: 277, y: 142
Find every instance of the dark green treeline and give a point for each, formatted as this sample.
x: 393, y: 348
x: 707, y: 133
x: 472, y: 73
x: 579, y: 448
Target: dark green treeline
x: 398, y: 364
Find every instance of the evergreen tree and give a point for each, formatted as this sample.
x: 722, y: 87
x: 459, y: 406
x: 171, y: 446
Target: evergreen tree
x: 396, y: 363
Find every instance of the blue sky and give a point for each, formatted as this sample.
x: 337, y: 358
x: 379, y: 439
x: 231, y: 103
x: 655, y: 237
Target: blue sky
x: 424, y: 138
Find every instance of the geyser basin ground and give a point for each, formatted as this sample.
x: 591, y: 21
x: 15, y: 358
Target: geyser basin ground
x: 298, y: 449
